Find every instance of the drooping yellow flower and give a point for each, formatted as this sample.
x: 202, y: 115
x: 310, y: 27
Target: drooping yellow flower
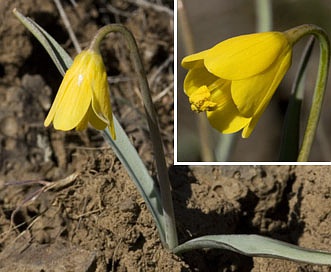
x: 235, y: 80
x: 83, y: 96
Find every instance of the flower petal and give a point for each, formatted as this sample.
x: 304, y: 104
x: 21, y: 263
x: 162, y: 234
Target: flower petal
x: 74, y: 104
x: 252, y: 95
x: 96, y: 121
x: 74, y: 96
x: 247, y: 131
x: 197, y: 77
x: 278, y: 77
x: 102, y: 113
x: 227, y: 120
x: 58, y: 98
x: 191, y: 60
x: 245, y: 56
x: 101, y: 109
x: 84, y: 122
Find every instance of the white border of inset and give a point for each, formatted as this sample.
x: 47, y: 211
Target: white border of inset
x: 176, y: 108
x: 175, y: 79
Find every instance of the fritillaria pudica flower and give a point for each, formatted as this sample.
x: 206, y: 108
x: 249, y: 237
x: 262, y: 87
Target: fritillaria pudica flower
x: 83, y: 96
x: 234, y: 81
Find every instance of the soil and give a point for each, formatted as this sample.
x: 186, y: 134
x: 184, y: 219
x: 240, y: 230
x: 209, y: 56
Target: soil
x: 67, y: 203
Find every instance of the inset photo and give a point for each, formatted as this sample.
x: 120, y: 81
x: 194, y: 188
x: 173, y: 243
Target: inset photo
x: 252, y: 82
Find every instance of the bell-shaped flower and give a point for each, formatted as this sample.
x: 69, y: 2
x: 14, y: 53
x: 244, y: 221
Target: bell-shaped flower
x: 83, y: 96
x: 235, y: 80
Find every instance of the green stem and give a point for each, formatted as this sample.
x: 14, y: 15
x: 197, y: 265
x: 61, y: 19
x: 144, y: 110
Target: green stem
x: 164, y: 183
x: 289, y: 147
x: 264, y: 15
x: 294, y: 35
x: 225, y: 146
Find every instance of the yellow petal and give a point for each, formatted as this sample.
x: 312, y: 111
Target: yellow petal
x: 58, y: 98
x: 101, y: 104
x: 247, y: 131
x: 227, y: 120
x: 66, y: 91
x: 205, y: 91
x: 84, y: 122
x: 111, y: 128
x: 51, y: 113
x: 197, y: 77
x: 245, y: 56
x: 252, y: 95
x: 96, y: 122
x: 73, y: 107
x: 194, y: 59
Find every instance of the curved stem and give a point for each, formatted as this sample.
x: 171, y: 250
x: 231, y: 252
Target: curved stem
x: 294, y: 35
x: 289, y: 148
x: 164, y: 183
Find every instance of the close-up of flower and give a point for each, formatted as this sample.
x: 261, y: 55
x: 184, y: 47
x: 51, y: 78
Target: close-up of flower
x: 234, y: 81
x: 83, y: 96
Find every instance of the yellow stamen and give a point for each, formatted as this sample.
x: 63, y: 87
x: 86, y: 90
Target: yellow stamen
x: 200, y: 100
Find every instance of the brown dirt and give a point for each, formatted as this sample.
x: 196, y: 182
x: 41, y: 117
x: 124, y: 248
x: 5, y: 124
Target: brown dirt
x: 93, y: 219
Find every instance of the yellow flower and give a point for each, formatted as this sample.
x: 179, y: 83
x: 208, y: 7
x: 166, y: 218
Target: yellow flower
x: 235, y: 80
x: 83, y: 96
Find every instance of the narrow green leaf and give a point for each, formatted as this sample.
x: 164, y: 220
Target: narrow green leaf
x: 255, y: 245
x: 122, y: 146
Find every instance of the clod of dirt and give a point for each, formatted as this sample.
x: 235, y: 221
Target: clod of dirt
x: 57, y: 257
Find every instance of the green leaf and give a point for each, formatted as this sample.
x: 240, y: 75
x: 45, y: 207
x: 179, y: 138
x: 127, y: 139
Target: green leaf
x: 122, y: 146
x: 255, y: 245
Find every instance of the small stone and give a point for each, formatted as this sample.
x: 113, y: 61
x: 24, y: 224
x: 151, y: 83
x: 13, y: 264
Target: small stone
x: 9, y: 126
x: 127, y: 205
